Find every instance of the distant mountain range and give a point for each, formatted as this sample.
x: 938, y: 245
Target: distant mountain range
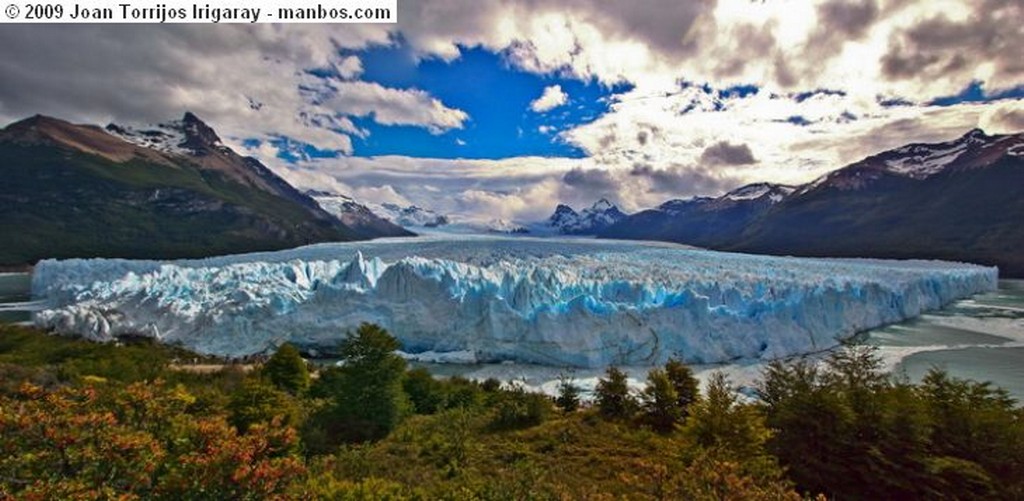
x: 172, y: 191
x: 396, y: 220
x: 357, y: 216
x: 411, y: 216
x: 958, y: 200
x: 389, y: 218
x: 590, y: 221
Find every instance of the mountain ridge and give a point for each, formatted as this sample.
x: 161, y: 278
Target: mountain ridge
x: 953, y: 200
x: 74, y: 190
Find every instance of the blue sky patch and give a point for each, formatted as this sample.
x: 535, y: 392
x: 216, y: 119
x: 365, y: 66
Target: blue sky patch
x: 975, y: 93
x: 495, y: 95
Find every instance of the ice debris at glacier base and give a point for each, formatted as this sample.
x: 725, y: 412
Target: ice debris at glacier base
x: 584, y: 303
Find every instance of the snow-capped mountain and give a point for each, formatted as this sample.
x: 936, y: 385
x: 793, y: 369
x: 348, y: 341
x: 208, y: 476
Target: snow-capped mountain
x: 411, y: 216
x: 956, y: 200
x: 355, y: 215
x: 589, y: 221
x: 188, y: 136
x: 921, y: 161
x: 774, y: 192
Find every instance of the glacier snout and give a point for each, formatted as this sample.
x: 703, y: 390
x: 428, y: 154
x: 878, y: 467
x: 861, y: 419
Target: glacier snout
x: 578, y: 304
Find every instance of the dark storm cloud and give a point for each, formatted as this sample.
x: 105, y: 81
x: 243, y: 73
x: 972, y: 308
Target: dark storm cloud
x: 851, y: 19
x: 939, y: 46
x: 594, y: 180
x: 725, y: 153
x: 663, y: 24
x: 680, y: 180
x: 750, y: 43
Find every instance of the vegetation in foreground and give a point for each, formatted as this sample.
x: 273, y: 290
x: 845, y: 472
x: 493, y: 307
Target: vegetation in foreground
x: 86, y: 421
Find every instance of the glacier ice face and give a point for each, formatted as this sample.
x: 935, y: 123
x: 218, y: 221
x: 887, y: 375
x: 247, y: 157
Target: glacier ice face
x: 565, y: 302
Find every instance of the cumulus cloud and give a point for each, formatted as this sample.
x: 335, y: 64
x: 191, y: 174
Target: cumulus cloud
x: 1005, y: 118
x: 390, y: 106
x: 551, y: 98
x: 249, y: 81
x: 657, y: 140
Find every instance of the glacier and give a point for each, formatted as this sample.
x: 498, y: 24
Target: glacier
x: 558, y: 302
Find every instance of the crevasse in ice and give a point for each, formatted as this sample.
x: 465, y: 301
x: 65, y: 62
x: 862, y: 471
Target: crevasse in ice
x: 582, y: 303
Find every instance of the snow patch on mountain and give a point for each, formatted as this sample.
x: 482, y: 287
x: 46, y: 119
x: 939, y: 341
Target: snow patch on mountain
x: 335, y: 204
x: 167, y: 137
x: 774, y: 192
x: 549, y: 301
x: 411, y: 216
x: 179, y: 137
x: 922, y: 161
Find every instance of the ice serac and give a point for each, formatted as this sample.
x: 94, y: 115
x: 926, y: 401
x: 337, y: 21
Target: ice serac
x: 557, y: 302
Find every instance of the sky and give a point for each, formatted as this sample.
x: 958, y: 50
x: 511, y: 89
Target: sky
x: 504, y: 109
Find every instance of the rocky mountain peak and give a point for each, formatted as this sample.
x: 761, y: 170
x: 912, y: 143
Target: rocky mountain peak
x: 602, y: 205
x: 199, y: 137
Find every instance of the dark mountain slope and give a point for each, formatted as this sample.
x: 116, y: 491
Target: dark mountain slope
x: 959, y: 200
x: 974, y: 215
x: 701, y: 221
x: 79, y: 191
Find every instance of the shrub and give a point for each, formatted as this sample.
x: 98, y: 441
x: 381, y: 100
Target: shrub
x: 518, y: 408
x: 287, y: 370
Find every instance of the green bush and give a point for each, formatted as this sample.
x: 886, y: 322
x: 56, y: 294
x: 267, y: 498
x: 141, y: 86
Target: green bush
x: 517, y: 408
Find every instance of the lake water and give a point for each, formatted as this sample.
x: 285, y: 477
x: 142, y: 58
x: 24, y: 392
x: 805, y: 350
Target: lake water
x: 980, y: 338
x: 15, y: 297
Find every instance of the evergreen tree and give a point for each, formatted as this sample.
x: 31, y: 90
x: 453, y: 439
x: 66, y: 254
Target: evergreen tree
x: 367, y: 394
x: 660, y: 402
x: 720, y: 421
x: 287, y: 370
x: 686, y: 386
x: 568, y: 398
x: 614, y: 401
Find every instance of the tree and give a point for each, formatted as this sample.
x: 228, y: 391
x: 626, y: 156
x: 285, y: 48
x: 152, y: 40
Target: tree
x: 568, y: 398
x: 287, y: 370
x: 720, y: 421
x: 686, y: 386
x: 614, y: 401
x: 810, y: 423
x: 366, y: 390
x: 660, y: 402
